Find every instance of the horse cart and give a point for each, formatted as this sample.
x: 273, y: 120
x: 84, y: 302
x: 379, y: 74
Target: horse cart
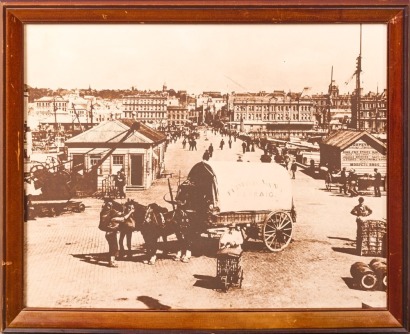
x: 256, y: 197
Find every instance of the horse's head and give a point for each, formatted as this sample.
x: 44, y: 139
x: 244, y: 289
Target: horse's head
x: 150, y: 213
x: 111, y: 205
x: 154, y: 214
x: 139, y: 211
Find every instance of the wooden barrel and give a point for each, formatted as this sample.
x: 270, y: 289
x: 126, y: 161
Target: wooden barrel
x: 363, y: 275
x: 380, y: 269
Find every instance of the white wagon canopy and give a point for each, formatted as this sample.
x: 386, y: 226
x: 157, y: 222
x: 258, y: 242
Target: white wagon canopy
x: 256, y: 197
x: 243, y: 186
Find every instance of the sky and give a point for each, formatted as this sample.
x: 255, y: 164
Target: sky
x: 198, y: 57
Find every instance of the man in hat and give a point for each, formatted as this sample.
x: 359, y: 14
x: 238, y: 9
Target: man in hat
x: 361, y: 210
x: 343, y: 180
x: 110, y: 220
x: 210, y: 150
x: 353, y: 183
x: 120, y: 182
x: 206, y: 155
x: 377, y: 183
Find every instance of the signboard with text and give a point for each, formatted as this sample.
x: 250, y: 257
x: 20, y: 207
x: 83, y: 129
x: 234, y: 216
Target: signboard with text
x: 363, y: 158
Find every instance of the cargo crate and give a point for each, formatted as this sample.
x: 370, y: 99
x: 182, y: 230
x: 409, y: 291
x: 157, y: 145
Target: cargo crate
x: 371, y: 239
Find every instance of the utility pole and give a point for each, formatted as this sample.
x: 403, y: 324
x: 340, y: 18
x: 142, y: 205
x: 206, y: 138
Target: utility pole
x: 377, y: 110
x: 329, y: 101
x: 55, y: 114
x: 91, y: 113
x: 77, y: 116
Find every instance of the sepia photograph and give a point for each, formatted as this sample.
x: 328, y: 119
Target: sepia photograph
x: 205, y: 166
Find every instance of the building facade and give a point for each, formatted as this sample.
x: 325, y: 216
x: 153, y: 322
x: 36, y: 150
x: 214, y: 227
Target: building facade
x: 178, y: 116
x: 147, y: 108
x: 351, y: 149
x: 333, y: 107
x: 371, y: 113
x: 114, y: 145
x: 280, y: 114
x: 49, y: 104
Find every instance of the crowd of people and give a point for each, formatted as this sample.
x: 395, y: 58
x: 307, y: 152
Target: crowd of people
x: 349, y: 181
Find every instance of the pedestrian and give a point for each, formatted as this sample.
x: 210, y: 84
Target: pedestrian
x: 286, y: 158
x: 120, y: 183
x: 194, y: 144
x: 110, y: 220
x: 230, y: 142
x: 190, y: 144
x: 221, y: 145
x: 252, y: 147
x: 184, y: 143
x: 328, y: 178
x: 353, y: 183
x: 205, y: 155
x: 361, y: 210
x: 293, y: 168
x: 312, y: 165
x: 377, y: 183
x: 211, y: 150
x: 243, y: 147
x: 343, y: 181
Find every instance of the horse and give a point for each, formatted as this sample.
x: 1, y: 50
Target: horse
x: 130, y: 224
x: 159, y: 222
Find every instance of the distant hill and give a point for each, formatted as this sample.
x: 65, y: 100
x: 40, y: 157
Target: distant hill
x: 110, y: 94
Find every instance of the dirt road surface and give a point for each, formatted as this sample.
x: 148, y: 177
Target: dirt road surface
x: 66, y: 261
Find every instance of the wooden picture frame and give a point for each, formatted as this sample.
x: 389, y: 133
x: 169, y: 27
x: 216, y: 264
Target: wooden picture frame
x: 15, y: 317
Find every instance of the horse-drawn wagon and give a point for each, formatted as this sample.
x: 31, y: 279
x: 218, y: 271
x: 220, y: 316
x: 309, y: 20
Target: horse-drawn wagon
x: 256, y: 197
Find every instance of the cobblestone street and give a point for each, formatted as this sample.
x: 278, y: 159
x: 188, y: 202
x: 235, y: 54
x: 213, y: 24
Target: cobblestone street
x: 66, y: 262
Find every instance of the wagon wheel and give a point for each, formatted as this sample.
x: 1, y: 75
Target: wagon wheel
x: 38, y: 169
x: 277, y: 231
x: 38, y: 173
x: 384, y: 282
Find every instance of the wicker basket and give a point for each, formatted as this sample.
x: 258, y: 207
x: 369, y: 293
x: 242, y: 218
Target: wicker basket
x: 371, y: 238
x: 240, y: 217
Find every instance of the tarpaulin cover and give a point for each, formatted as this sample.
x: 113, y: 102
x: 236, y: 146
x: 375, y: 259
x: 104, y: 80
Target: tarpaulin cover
x: 244, y: 186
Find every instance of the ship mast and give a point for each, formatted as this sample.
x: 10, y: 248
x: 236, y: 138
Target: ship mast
x: 329, y: 102
x: 358, y: 88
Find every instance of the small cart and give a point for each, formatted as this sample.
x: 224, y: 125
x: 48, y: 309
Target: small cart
x: 229, y: 271
x: 53, y: 208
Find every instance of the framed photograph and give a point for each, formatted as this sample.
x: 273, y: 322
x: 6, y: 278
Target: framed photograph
x: 186, y: 166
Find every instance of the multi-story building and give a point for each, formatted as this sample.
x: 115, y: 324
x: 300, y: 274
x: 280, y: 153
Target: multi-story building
x: 178, y: 115
x: 371, y: 114
x: 332, y: 107
x: 50, y: 104
x: 281, y: 115
x: 147, y: 108
x: 211, y: 101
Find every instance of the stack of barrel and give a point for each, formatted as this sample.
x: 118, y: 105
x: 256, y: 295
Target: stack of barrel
x: 372, y: 276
